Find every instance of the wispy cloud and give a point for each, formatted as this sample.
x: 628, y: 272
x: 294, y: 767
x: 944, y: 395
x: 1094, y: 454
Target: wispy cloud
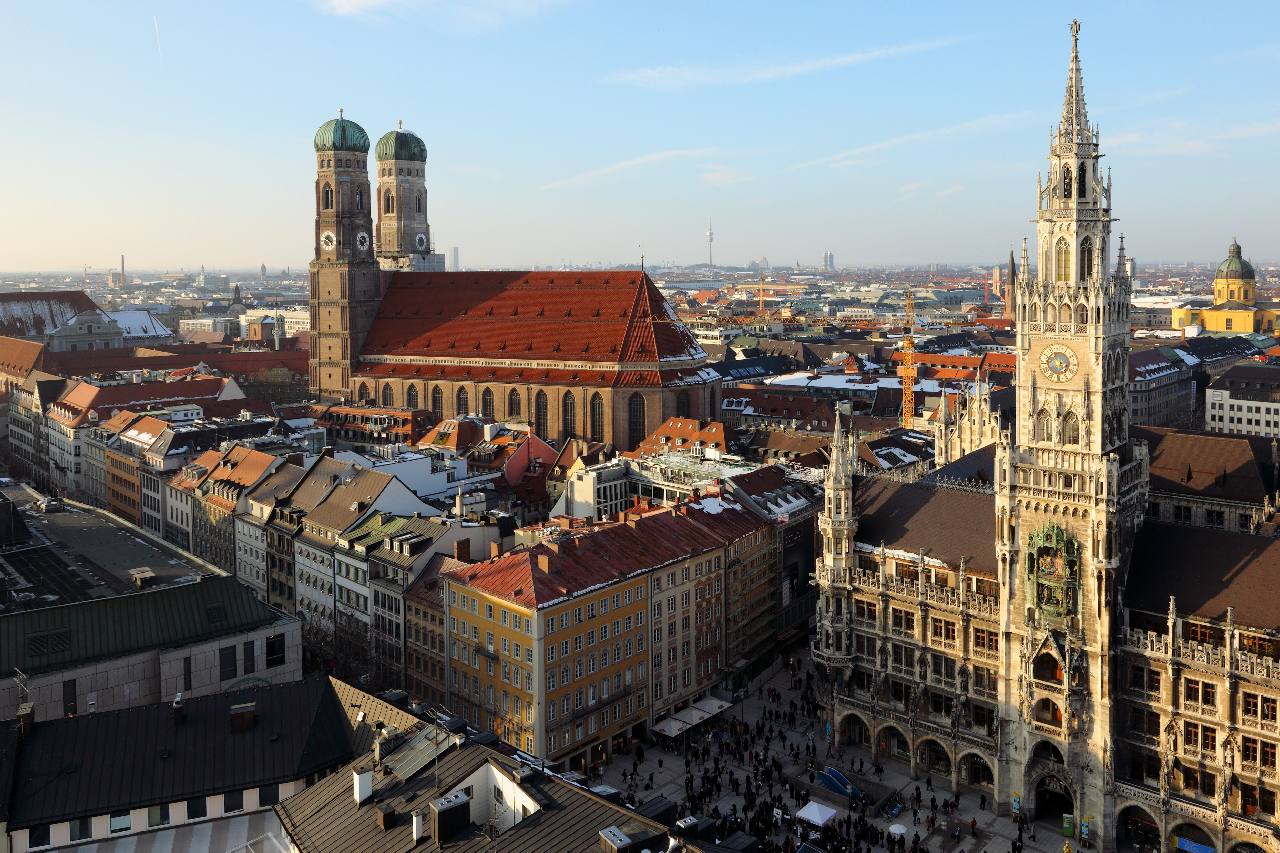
x: 851, y: 156
x: 627, y: 165
x: 951, y: 190
x: 1173, y: 138
x: 463, y: 14
x: 716, y: 175
x: 687, y: 76
x: 159, y: 50
x: 908, y: 189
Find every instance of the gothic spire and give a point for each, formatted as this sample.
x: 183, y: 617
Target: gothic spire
x: 1075, y: 119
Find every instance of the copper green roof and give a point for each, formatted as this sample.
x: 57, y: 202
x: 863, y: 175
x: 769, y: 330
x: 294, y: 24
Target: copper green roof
x: 1235, y: 267
x: 50, y: 639
x: 342, y: 134
x: 401, y: 145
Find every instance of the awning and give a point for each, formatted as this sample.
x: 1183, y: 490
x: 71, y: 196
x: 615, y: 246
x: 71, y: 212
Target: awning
x: 670, y: 726
x: 712, y: 706
x: 816, y: 813
x: 691, y: 715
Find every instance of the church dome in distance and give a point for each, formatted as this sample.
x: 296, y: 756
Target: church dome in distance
x: 1235, y: 267
x: 342, y: 134
x: 401, y: 144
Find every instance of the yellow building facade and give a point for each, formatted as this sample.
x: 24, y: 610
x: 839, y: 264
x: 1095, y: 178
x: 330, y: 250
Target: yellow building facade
x: 1235, y: 301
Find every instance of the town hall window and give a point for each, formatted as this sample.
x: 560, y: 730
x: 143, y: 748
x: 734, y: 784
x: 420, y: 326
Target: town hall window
x: 1063, y: 258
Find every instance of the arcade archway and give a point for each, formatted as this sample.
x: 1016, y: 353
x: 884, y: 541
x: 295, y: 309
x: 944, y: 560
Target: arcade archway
x: 1046, y: 751
x: 854, y: 731
x: 932, y: 757
x: 1192, y: 838
x: 974, y: 770
x: 892, y: 743
x: 1136, y: 829
x: 1054, y: 798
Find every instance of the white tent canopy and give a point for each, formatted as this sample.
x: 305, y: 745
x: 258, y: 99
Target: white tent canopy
x: 691, y: 715
x: 816, y: 813
x: 670, y: 726
x: 711, y: 706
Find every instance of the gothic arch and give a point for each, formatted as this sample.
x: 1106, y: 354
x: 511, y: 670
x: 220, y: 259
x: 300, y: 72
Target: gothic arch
x: 933, y: 756
x: 362, y: 393
x: 636, y: 420
x: 1070, y: 433
x: 568, y: 414
x: 682, y: 404
x: 1048, y: 712
x: 596, y: 417
x: 388, y: 202
x: 1080, y: 183
x: 388, y: 395
x: 462, y: 403
x: 437, y: 401
x: 853, y: 729
x: 359, y: 199
x: 1066, y: 180
x: 1047, y: 751
x: 540, y: 420
x: 1064, y: 315
x: 1062, y: 257
x: 1086, y: 258
x: 1035, y: 313
x: 890, y: 740
x: 1047, y: 667
x: 486, y: 404
x: 513, y: 404
x: 1082, y: 314
x: 976, y: 769
x: 1043, y: 426
x: 326, y: 195
x: 411, y: 397
x: 1201, y: 834
x: 418, y: 203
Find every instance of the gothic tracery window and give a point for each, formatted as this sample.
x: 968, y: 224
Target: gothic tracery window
x: 540, y: 420
x: 596, y: 412
x: 388, y: 396
x: 411, y: 397
x: 327, y: 200
x: 1070, y: 429
x: 486, y: 403
x: 569, y: 414
x: 513, y: 404
x: 1063, y: 259
x: 1066, y: 180
x: 1043, y: 429
x: 463, y: 403
x: 437, y: 402
x: 1086, y: 258
x: 1080, y: 182
x: 635, y: 419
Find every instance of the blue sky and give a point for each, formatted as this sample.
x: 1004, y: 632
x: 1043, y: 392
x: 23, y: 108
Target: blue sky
x: 566, y: 130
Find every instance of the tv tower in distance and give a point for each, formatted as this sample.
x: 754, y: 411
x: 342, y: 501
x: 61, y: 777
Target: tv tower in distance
x: 710, y: 237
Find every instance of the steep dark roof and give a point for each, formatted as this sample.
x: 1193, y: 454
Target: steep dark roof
x: 1210, y: 465
x: 50, y: 639
x: 116, y: 760
x: 1207, y: 571
x: 976, y: 467
x: 325, y: 817
x: 947, y: 523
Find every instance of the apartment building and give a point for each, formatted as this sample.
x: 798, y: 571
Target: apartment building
x: 1244, y: 399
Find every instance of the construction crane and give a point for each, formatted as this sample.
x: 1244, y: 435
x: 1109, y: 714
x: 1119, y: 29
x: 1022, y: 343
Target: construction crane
x: 908, y: 369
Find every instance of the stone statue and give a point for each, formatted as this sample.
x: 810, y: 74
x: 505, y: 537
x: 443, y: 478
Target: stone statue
x: 1108, y: 771
x: 923, y: 665
x: 884, y: 655
x: 964, y: 678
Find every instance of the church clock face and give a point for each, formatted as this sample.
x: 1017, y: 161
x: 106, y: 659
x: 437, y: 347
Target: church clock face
x: 362, y: 241
x: 421, y: 242
x: 1058, y: 362
x: 327, y: 240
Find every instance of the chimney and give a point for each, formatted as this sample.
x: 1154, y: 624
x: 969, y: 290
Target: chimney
x: 419, y: 825
x: 462, y: 550
x: 243, y: 716
x: 386, y: 816
x: 179, y: 710
x: 495, y: 549
x: 362, y: 784
x: 26, y: 718
x: 544, y: 563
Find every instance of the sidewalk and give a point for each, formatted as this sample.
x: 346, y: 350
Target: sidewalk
x: 995, y: 834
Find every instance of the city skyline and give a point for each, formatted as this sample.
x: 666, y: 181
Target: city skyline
x: 838, y: 130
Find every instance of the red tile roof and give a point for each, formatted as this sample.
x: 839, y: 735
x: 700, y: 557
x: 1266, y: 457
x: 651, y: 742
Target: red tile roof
x: 681, y: 435
x: 602, y: 318
x: 19, y: 357
x: 544, y: 573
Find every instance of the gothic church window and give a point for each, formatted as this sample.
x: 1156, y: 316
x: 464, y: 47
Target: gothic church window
x: 1063, y: 258
x: 540, y: 414
x: 1070, y: 429
x: 682, y: 404
x: 1064, y: 315
x: 363, y: 392
x: 1043, y: 430
x: 568, y: 414
x: 1082, y: 314
x: 388, y: 396
x: 411, y: 397
x: 463, y: 403
x: 1086, y: 258
x: 437, y: 402
x: 327, y: 202
x: 1080, y: 191
x: 388, y: 203
x: 418, y: 203
x: 513, y: 404
x: 635, y: 419
x: 486, y: 403
x: 596, y: 411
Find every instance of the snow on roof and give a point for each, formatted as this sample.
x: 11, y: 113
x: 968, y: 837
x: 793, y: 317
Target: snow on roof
x: 139, y: 324
x: 849, y: 382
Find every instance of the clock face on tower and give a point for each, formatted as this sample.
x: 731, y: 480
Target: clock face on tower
x: 1058, y: 362
x: 362, y: 241
x: 421, y: 242
x: 327, y: 240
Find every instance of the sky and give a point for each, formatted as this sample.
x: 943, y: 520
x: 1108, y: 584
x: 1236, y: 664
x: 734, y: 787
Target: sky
x: 571, y: 131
